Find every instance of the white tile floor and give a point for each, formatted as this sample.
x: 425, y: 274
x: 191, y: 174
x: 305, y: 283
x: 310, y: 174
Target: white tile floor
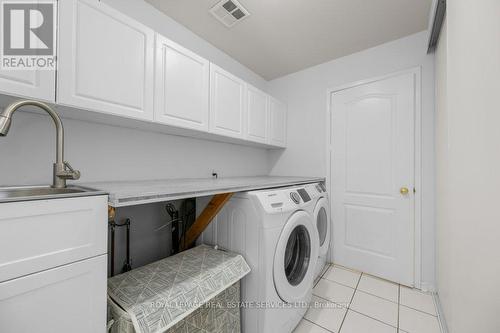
x: 346, y: 301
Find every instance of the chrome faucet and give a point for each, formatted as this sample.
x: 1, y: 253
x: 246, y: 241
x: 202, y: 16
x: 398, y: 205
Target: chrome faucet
x: 62, y: 169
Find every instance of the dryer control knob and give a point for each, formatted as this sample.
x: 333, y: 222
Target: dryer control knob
x: 295, y: 197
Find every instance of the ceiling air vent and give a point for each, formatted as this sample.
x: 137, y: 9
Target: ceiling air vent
x: 229, y: 12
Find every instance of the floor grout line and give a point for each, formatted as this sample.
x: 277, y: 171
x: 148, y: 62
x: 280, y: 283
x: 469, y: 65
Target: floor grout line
x: 427, y: 313
x: 349, y: 306
x: 399, y: 302
x: 326, y: 270
x: 330, y: 301
x: 379, y: 278
x: 385, y: 299
x: 312, y: 322
x: 342, y: 284
x: 380, y: 321
x: 322, y: 274
x: 421, y: 292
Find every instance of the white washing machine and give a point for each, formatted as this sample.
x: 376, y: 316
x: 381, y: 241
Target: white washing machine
x: 275, y: 233
x: 320, y: 211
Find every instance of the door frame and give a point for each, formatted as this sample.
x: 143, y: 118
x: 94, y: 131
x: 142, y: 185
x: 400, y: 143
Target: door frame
x: 417, y: 207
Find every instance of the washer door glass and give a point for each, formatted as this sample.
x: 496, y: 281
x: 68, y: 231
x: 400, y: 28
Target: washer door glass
x: 322, y: 220
x: 322, y: 225
x: 297, y: 255
x: 295, y: 258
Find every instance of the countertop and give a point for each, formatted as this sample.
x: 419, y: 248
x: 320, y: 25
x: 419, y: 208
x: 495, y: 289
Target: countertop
x: 129, y: 193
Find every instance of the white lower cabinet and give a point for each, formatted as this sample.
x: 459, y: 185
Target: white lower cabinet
x: 69, y: 298
x: 227, y: 103
x: 106, y: 60
x: 41, y: 234
x: 277, y: 122
x: 181, y: 86
x: 53, y: 265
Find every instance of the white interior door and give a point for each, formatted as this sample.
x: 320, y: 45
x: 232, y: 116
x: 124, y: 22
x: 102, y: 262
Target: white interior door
x: 372, y: 177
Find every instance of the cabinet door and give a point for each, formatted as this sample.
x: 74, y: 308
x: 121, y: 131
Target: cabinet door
x: 227, y: 103
x: 277, y: 123
x: 106, y: 60
x: 34, y: 84
x: 58, y: 231
x: 257, y: 115
x: 181, y: 86
x: 70, y: 298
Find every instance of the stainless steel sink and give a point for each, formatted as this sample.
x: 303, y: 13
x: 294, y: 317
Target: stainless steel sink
x: 22, y: 193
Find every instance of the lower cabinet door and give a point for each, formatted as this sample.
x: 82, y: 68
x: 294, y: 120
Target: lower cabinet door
x: 41, y: 234
x: 69, y: 298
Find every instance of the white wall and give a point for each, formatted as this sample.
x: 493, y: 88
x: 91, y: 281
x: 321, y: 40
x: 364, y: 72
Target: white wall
x: 103, y: 152
x: 306, y: 94
x: 468, y: 164
x: 443, y: 248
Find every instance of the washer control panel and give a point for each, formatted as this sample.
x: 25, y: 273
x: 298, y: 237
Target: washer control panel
x: 288, y: 198
x: 304, y: 194
x: 279, y: 200
x: 295, y: 197
x: 316, y: 190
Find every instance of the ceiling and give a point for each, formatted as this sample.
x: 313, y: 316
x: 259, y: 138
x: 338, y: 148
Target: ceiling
x: 284, y: 36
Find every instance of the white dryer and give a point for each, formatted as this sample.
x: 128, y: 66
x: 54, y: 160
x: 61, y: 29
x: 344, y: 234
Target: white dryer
x: 320, y: 211
x: 275, y: 233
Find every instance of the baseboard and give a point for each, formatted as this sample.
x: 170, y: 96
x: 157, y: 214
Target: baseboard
x: 440, y: 313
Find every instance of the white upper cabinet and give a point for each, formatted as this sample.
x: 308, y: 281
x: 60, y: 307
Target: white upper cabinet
x: 35, y: 84
x: 277, y: 123
x: 181, y: 86
x: 257, y: 128
x: 39, y: 84
x: 227, y: 103
x: 106, y: 60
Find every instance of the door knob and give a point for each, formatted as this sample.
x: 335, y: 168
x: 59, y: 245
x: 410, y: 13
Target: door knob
x: 404, y: 190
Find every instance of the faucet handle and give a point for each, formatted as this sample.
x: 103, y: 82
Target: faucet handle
x: 70, y: 173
